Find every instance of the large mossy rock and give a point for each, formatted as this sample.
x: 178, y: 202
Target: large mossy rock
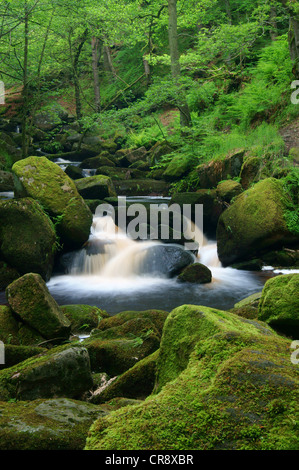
x: 54, y: 424
x: 27, y: 237
x: 63, y: 371
x: 255, y: 223
x: 223, y: 383
x: 43, y: 180
x: 29, y: 298
x: 279, y: 304
x: 95, y: 187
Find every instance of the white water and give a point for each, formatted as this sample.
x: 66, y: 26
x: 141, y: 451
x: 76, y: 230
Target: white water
x: 109, y: 273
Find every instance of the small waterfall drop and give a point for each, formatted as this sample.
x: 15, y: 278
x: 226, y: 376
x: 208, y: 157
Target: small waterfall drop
x: 117, y: 273
x: 110, y: 253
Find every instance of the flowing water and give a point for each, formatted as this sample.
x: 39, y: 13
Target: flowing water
x: 117, y: 273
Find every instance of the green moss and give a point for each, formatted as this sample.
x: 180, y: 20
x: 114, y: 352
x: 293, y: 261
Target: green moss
x: 83, y: 317
x: 29, y: 249
x: 279, y: 304
x: 254, y: 223
x: 219, y: 396
x: 47, y: 375
x: 57, y: 424
x: 46, y: 182
x: 137, y: 382
x: 196, y: 273
x: 13, y: 332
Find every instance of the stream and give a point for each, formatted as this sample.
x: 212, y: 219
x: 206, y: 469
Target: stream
x: 113, y: 278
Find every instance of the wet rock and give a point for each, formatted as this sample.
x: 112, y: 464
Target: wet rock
x: 74, y: 172
x: 166, y: 260
x: 197, y: 273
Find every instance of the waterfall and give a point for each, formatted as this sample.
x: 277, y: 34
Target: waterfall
x: 110, y: 253
x: 117, y: 273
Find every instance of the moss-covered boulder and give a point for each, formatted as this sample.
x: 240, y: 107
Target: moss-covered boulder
x: 95, y: 187
x: 27, y: 237
x: 121, y: 341
x: 29, y: 298
x: 54, y: 424
x: 279, y: 304
x: 227, y: 190
x: 196, y: 273
x: 96, y: 162
x: 255, y: 223
x: 223, y: 383
x: 83, y: 318
x: 74, y: 172
x: 63, y: 371
x: 248, y: 307
x: 13, y: 331
x: 43, y: 180
x: 137, y: 382
x: 177, y: 168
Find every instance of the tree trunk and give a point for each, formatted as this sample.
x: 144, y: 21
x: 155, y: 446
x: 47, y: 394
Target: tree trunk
x: 25, y: 110
x: 96, y: 47
x: 293, y: 34
x: 108, y: 65
x: 294, y: 44
x: 185, y: 117
x: 273, y: 16
x: 75, y: 65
